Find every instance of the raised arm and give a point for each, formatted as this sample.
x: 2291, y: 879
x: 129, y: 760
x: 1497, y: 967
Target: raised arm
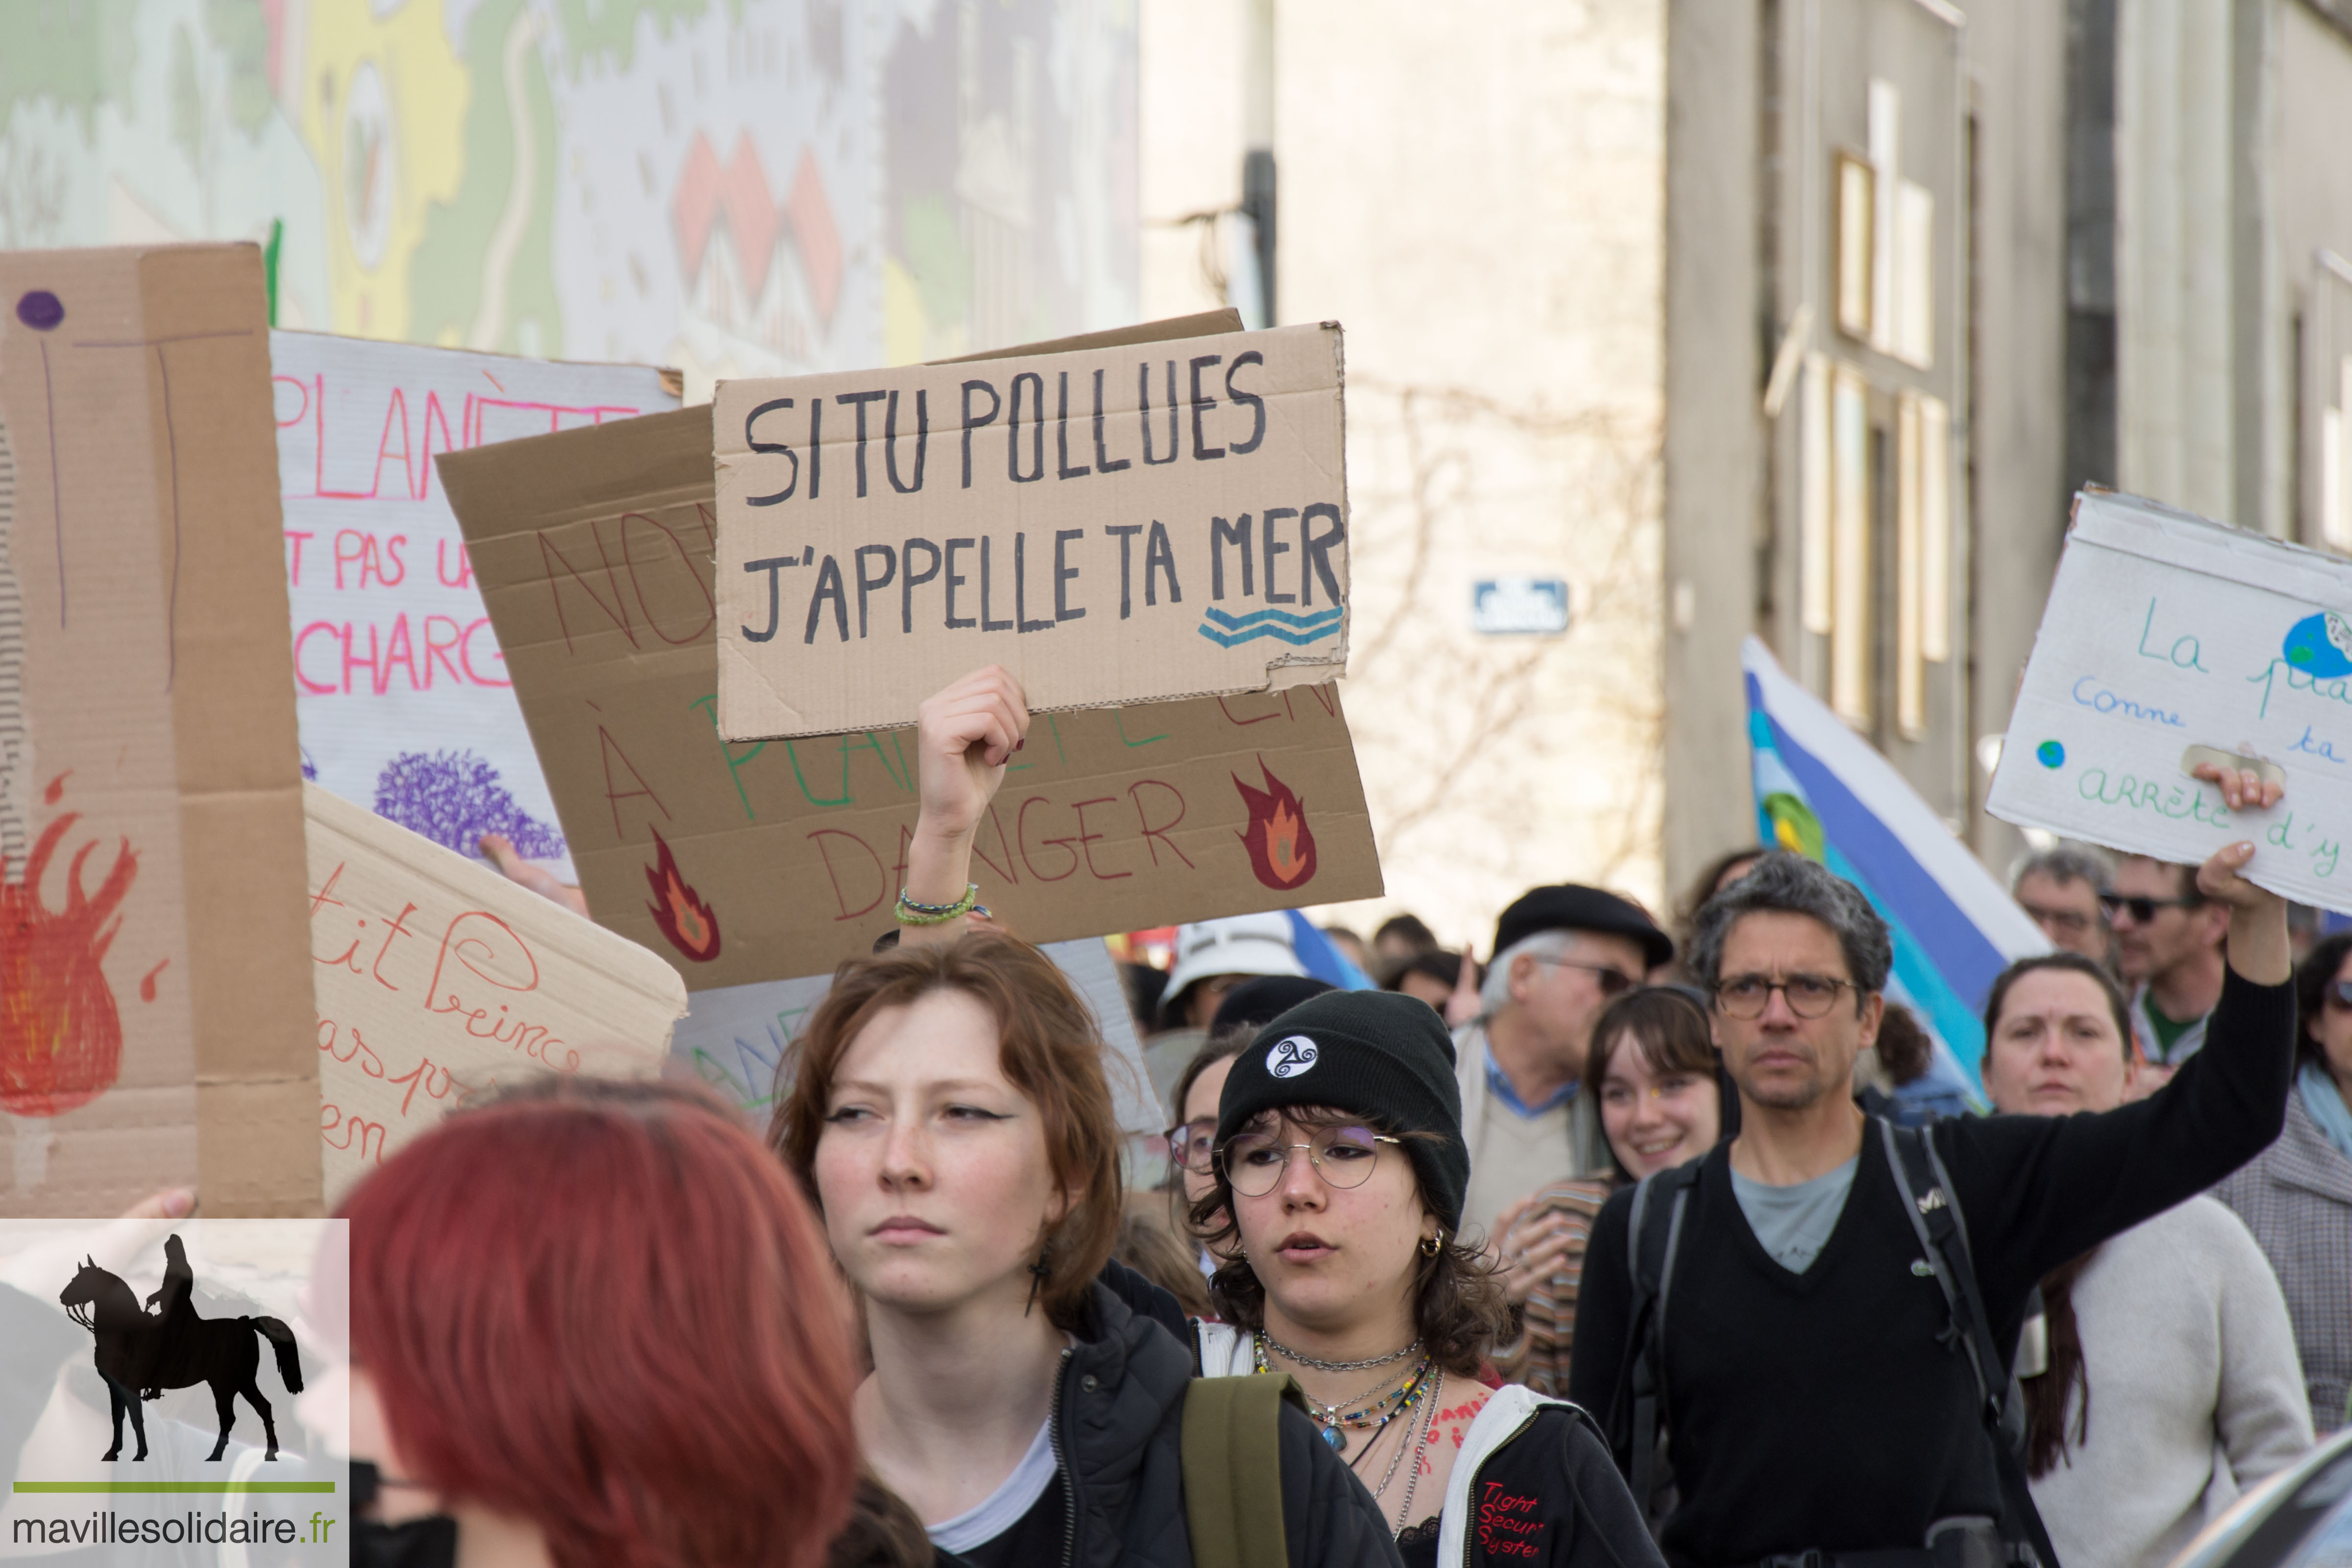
x: 964, y: 736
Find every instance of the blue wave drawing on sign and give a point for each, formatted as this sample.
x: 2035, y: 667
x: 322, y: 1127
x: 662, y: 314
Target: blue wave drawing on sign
x: 1229, y: 631
x: 455, y: 797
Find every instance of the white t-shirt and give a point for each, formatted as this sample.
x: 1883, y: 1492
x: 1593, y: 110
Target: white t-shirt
x: 1001, y: 1510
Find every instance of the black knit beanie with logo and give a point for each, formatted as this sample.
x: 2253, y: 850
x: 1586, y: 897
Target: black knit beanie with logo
x: 1376, y: 1054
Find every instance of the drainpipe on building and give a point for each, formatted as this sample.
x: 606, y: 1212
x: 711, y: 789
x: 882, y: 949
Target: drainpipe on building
x: 1258, y: 155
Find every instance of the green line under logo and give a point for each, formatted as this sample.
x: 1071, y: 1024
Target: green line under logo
x: 175, y: 1485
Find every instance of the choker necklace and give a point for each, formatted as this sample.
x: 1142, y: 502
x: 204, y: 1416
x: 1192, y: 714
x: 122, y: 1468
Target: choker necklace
x: 1288, y: 1355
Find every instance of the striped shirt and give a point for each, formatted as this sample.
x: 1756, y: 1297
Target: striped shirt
x: 1539, y: 1358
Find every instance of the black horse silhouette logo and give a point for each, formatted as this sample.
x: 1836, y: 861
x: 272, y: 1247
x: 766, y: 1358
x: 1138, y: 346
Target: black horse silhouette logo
x: 174, y: 1348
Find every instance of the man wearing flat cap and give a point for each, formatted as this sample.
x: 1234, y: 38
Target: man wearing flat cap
x: 1562, y: 954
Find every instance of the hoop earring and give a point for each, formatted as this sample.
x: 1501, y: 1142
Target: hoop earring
x: 1431, y: 1245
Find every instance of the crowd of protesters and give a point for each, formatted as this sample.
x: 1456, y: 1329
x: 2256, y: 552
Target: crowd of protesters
x: 928, y: 1322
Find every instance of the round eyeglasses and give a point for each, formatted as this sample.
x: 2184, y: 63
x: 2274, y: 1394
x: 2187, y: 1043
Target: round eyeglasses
x: 1342, y: 1156
x: 1192, y: 1144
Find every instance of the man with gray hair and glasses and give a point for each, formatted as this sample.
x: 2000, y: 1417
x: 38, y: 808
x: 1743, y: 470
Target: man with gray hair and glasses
x: 2059, y: 889
x: 1562, y: 954
x: 1814, y: 1375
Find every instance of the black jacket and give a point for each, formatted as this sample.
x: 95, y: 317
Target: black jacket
x: 1822, y: 1410
x: 1117, y: 1418
x: 1549, y: 1495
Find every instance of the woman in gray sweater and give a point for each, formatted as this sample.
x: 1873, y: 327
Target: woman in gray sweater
x: 2166, y: 1381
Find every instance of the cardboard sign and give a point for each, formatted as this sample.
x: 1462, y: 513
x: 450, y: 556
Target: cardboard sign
x: 403, y: 700
x: 765, y: 860
x: 437, y: 979
x: 1112, y: 524
x: 2169, y: 640
x: 736, y: 1037
x: 154, y: 1005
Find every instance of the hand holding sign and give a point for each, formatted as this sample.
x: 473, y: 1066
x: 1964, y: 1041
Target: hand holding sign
x: 2258, y: 945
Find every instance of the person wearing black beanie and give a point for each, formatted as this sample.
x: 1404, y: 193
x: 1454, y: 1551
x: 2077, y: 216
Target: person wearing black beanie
x: 1339, y: 1178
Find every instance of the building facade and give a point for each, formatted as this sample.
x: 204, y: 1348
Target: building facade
x: 1931, y: 268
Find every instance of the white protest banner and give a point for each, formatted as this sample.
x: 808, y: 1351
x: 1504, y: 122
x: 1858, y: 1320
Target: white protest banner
x: 737, y: 1035
x: 402, y: 693
x: 437, y: 979
x: 1113, y: 524
x: 2170, y: 640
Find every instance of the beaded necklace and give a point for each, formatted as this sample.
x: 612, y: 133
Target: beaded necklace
x: 1372, y: 1417
x: 1418, y: 1453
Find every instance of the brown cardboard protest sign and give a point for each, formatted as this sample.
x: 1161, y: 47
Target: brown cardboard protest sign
x: 154, y: 1001
x: 763, y: 860
x: 1111, y: 524
x: 437, y: 979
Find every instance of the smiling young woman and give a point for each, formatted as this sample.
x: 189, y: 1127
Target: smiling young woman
x: 1336, y: 1205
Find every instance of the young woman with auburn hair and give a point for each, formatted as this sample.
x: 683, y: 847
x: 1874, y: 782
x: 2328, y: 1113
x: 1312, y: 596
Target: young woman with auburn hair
x: 946, y: 1108
x: 593, y: 1324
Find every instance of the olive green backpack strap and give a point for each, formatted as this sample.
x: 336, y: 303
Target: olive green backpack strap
x: 1233, y: 1470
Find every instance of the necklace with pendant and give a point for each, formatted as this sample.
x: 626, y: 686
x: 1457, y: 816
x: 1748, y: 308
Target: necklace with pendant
x: 1371, y: 1418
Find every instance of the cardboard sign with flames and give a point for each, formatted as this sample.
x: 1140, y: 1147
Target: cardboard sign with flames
x: 768, y: 860
x: 60, y: 1031
x: 155, y: 1005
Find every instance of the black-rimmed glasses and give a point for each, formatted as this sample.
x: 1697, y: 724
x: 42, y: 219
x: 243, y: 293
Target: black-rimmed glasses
x: 1611, y: 983
x: 2141, y: 908
x: 1745, y: 996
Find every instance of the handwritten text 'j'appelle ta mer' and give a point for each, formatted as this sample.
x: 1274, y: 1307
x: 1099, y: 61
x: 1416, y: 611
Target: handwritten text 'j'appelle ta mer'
x: 962, y: 583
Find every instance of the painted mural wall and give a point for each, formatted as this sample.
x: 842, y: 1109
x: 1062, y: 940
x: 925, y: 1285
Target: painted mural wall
x: 732, y: 187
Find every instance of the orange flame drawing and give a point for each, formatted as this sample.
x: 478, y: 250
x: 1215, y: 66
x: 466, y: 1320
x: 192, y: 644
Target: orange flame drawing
x: 691, y: 925
x: 1281, y: 847
x: 60, y: 1037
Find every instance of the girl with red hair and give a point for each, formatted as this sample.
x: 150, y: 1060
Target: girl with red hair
x: 593, y: 1324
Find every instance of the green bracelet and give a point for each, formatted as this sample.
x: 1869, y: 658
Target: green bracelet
x: 911, y: 913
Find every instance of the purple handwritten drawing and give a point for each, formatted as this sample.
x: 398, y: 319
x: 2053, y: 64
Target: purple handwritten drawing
x: 455, y: 797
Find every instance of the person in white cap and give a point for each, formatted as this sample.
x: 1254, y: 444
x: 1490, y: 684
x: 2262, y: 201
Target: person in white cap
x: 1214, y: 956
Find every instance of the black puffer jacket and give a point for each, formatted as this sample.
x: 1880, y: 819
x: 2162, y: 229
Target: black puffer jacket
x: 1119, y: 1415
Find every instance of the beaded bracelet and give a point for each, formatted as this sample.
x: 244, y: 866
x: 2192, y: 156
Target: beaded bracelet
x: 911, y: 913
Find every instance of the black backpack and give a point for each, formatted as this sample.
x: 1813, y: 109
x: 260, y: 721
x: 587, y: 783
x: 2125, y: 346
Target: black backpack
x: 1654, y: 1235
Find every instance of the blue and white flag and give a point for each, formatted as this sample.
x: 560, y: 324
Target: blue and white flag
x: 1824, y: 792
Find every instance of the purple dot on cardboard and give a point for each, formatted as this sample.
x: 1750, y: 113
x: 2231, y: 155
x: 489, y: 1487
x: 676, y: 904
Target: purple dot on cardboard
x: 40, y: 309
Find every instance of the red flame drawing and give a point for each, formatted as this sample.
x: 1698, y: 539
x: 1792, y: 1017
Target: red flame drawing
x: 691, y: 925
x: 60, y: 1038
x: 1281, y: 848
